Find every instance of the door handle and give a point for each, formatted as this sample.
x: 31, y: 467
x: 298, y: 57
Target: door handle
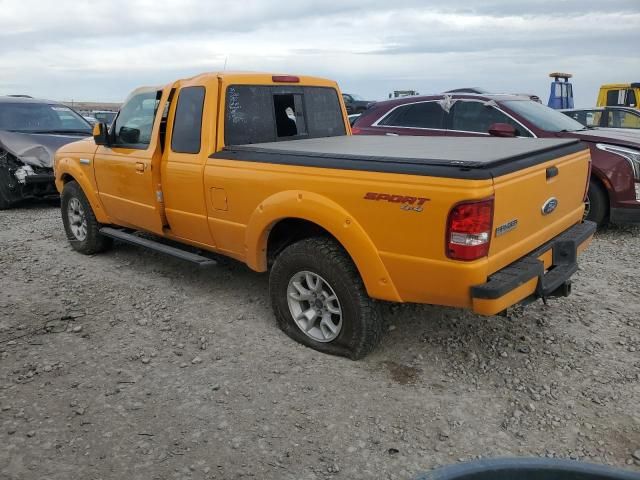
x: 139, y: 167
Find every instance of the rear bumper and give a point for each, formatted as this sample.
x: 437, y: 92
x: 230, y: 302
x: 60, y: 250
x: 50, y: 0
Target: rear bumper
x: 544, y: 273
x: 624, y: 215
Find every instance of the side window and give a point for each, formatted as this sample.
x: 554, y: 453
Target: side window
x: 416, y: 115
x: 622, y: 119
x: 187, y: 124
x: 134, y: 123
x: 593, y: 118
x: 582, y: 116
x: 478, y: 117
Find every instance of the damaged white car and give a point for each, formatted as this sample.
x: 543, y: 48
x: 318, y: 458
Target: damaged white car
x: 31, y: 131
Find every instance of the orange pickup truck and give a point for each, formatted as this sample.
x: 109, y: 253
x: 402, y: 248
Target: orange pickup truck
x: 263, y: 168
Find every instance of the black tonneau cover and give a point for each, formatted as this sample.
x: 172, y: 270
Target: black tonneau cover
x: 453, y: 157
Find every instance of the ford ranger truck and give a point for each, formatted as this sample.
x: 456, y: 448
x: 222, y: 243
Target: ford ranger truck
x: 263, y: 168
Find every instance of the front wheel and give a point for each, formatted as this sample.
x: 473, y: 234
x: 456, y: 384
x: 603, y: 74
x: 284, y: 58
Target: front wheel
x: 79, y: 221
x: 597, y: 204
x: 320, y: 301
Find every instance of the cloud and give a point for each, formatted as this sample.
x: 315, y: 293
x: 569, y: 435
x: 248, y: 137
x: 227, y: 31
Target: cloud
x: 100, y: 51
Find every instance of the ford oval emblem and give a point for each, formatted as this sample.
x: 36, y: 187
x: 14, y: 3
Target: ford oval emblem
x: 549, y: 206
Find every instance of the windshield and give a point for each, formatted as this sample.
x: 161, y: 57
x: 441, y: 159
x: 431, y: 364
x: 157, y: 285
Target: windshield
x: 544, y: 118
x: 357, y: 97
x: 41, y: 117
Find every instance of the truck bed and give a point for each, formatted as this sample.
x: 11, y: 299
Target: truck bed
x: 452, y: 157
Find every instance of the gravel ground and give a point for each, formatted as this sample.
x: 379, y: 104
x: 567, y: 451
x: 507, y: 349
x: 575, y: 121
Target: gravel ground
x: 132, y: 365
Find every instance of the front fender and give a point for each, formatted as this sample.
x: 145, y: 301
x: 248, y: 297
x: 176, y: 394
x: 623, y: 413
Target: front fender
x: 334, y: 219
x: 70, y: 167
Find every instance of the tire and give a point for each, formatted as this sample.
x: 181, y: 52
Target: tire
x: 80, y: 223
x: 597, y: 209
x: 360, y: 326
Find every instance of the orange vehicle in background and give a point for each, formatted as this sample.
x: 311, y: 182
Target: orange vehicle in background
x: 263, y: 168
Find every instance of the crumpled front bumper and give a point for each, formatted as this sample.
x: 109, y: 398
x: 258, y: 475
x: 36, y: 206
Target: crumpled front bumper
x: 544, y: 273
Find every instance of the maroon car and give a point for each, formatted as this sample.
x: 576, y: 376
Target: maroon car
x: 614, y: 189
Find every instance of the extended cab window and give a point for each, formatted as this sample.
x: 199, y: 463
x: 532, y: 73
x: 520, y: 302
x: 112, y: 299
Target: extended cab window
x: 477, y: 117
x: 256, y: 114
x: 132, y: 128
x: 416, y: 115
x: 187, y: 124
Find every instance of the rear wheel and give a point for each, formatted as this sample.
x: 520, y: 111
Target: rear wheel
x: 320, y: 301
x: 79, y: 221
x: 597, y: 204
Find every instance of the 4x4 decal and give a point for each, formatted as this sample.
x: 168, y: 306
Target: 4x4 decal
x: 408, y: 203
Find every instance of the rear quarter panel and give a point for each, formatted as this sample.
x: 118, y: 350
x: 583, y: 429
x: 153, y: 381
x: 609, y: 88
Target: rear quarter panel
x: 400, y: 254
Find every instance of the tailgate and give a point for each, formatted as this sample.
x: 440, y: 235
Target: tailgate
x: 535, y: 204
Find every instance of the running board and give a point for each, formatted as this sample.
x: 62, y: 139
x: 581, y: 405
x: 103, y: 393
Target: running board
x: 157, y: 246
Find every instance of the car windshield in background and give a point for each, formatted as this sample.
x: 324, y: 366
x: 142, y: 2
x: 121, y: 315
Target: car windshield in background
x: 106, y: 117
x: 41, y: 117
x: 543, y: 117
x: 358, y: 98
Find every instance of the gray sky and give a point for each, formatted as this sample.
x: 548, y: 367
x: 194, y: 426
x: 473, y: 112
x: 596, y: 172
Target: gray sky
x: 101, y: 50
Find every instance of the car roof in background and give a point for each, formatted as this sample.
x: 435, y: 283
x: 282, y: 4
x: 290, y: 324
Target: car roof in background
x: 21, y: 99
x: 455, y: 96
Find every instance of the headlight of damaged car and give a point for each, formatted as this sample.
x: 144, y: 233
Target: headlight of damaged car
x: 632, y: 156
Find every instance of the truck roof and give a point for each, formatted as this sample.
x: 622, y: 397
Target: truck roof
x: 453, y: 157
x: 621, y: 85
x: 260, y: 78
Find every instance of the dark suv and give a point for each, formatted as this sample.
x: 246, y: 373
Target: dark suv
x: 614, y: 189
x: 355, y: 103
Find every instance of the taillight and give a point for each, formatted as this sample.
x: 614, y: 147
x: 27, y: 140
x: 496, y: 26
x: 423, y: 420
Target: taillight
x: 469, y: 230
x: 356, y: 130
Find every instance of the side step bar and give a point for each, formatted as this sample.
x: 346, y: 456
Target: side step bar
x: 157, y: 246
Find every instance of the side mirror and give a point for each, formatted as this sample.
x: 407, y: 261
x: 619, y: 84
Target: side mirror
x: 101, y: 134
x: 502, y: 130
x: 129, y: 135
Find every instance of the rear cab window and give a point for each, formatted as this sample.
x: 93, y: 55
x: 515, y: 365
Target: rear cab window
x: 264, y: 113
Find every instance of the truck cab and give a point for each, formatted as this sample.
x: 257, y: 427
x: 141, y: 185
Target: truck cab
x: 621, y: 95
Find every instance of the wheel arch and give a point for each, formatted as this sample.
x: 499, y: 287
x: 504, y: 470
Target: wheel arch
x: 290, y: 216
x: 604, y: 183
x: 69, y: 170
